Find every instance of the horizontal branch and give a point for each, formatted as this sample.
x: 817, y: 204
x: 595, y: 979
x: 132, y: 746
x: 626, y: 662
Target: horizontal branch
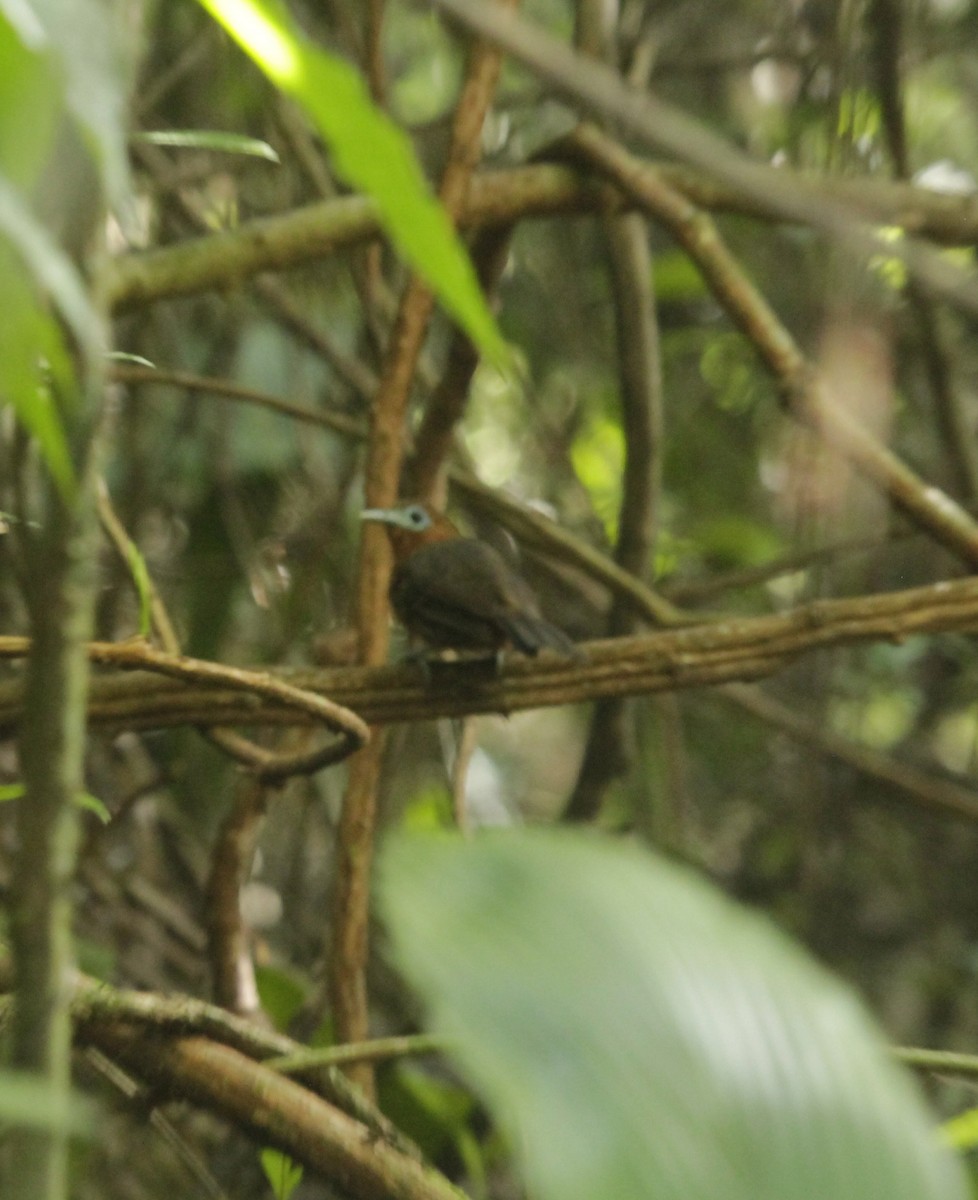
x: 497, y: 197
x: 703, y: 655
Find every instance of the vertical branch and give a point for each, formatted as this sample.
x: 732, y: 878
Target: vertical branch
x: 60, y: 553
x: 60, y: 594
x: 885, y: 23
x: 640, y: 388
x: 348, y: 989
x: 233, y: 971
x: 376, y: 72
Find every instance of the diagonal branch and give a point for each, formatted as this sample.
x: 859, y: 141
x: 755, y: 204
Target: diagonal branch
x: 600, y: 91
x: 806, y: 394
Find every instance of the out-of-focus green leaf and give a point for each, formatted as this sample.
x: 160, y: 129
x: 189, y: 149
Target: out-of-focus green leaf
x: 50, y: 268
x: 736, y: 541
x: 434, y: 1112
x: 676, y: 278
x: 144, y: 588
x: 281, y: 994
x: 369, y: 151
x: 93, y: 804
x: 85, y: 800
x: 87, y: 40
x: 31, y: 348
x: 208, y: 139
x: 26, y: 1099
x: 27, y: 86
x: 598, y: 455
x: 729, y: 365
x: 281, y: 1172
x: 961, y: 1131
x: 643, y: 1036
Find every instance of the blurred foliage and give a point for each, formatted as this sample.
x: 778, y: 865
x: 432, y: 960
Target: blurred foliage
x: 662, y: 1071
x: 247, y: 522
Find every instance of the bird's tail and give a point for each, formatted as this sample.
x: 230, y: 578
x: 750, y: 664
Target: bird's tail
x: 532, y: 634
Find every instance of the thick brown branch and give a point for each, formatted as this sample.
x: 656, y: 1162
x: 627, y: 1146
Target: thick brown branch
x: 275, y: 1110
x: 702, y: 655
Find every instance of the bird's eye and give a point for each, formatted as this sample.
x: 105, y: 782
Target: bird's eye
x: 417, y: 517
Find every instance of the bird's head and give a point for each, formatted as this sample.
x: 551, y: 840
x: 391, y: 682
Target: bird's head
x: 411, y: 526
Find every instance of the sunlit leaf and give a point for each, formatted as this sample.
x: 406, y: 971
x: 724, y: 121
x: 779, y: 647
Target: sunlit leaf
x: 282, y: 1173
x: 961, y: 1131
x: 27, y: 86
x: 369, y: 152
x: 92, y: 804
x: 644, y: 1037
x: 84, y: 800
x: 144, y: 588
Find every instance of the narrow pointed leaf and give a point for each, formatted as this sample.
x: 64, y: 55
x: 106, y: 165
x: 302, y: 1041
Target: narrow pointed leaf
x: 369, y: 152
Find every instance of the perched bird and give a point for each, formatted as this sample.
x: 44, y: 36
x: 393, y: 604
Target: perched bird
x: 459, y: 593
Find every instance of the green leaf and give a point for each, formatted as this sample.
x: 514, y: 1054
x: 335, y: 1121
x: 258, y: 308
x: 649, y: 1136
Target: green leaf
x: 28, y: 88
x: 281, y: 994
x: 29, y: 341
x: 961, y: 1131
x: 433, y: 1112
x: 26, y: 1099
x: 93, y: 804
x: 644, y: 1037
x: 144, y: 588
x: 85, y: 800
x: 208, y: 139
x: 369, y: 152
x: 87, y: 41
x: 51, y: 269
x: 281, y: 1172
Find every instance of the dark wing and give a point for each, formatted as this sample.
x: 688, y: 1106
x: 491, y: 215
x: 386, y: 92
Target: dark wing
x: 463, y: 594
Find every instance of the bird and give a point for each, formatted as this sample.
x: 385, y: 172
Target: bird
x: 459, y: 593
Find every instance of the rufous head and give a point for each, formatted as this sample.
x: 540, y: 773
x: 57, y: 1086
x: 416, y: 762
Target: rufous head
x: 411, y: 526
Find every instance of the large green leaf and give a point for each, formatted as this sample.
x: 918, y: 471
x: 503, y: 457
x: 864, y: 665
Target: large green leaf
x: 56, y: 58
x: 28, y: 338
x: 88, y: 41
x: 369, y: 152
x: 28, y: 95
x: 643, y: 1037
x: 32, y: 351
